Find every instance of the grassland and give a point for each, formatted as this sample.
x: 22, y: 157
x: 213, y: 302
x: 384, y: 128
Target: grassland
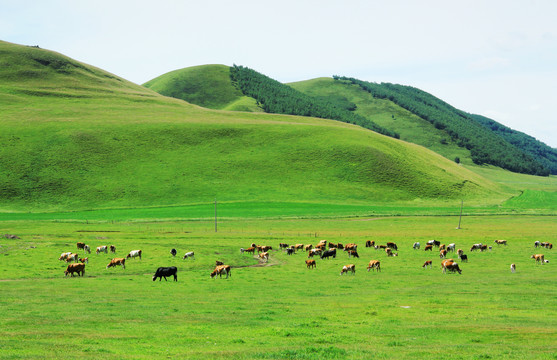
x: 281, y: 311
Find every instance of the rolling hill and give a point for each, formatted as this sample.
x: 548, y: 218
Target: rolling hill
x: 394, y: 110
x: 77, y: 137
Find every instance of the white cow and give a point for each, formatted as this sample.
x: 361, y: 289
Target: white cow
x: 188, y: 255
x: 63, y: 256
x: 513, y: 268
x: 87, y: 249
x: 416, y: 246
x: 134, y: 254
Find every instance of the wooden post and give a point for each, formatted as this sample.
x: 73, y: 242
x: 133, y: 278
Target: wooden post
x: 215, y: 215
x: 460, y: 217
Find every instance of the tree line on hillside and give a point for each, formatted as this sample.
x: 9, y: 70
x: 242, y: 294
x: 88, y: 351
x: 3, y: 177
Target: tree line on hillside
x: 485, y: 146
x: 543, y: 153
x: 277, y: 98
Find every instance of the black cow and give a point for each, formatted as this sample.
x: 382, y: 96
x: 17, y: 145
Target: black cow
x: 290, y: 251
x: 392, y: 245
x: 464, y: 258
x: 163, y: 272
x: 173, y: 252
x: 330, y: 252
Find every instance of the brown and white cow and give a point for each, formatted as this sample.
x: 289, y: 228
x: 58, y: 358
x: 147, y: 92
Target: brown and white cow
x: 79, y: 268
x: 428, y: 263
x: 547, y: 245
x: 250, y: 250
x: 84, y: 260
x: 347, y: 268
x: 501, y: 242
x: 220, y: 270
x: 72, y: 257
x: 314, y: 252
x: 375, y: 265
x: 351, y: 246
x: 539, y: 258
x: 370, y: 243
x: 101, y: 249
x: 64, y: 256
x: 428, y: 247
x: 442, y: 253
x: 310, y: 264
x: 450, y: 265
x: 264, y: 256
x: 308, y: 247
x: 513, y: 268
x: 117, y: 261
x: 299, y: 247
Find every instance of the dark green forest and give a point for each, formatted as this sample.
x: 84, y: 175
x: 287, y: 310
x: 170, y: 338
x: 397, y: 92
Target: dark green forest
x: 277, y: 98
x: 486, y: 147
x: 543, y: 153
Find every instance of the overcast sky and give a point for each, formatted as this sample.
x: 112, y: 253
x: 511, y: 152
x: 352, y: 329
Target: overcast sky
x: 489, y: 57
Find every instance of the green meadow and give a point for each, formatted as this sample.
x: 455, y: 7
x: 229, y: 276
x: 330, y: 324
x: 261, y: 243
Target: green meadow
x: 279, y: 309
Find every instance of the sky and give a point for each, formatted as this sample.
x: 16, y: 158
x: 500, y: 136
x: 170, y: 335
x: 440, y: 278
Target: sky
x: 488, y: 57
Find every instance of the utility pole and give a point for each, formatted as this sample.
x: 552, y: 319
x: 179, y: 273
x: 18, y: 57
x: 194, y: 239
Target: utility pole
x: 460, y: 217
x: 215, y: 215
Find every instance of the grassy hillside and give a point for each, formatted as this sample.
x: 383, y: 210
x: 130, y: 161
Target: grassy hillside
x: 206, y: 85
x: 411, y: 128
x: 75, y: 137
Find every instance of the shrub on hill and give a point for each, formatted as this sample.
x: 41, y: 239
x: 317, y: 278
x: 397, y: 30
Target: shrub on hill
x: 485, y: 147
x: 278, y: 98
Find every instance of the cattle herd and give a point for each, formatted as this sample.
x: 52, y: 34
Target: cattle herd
x: 324, y: 249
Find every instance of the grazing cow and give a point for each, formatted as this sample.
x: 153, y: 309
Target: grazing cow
x: 266, y: 248
x: 390, y: 252
x: 101, y: 249
x: 428, y: 247
x: 442, y: 254
x: 460, y: 252
x: 308, y: 247
x: 328, y: 253
x: 351, y: 247
x: 320, y: 246
x: 299, y: 247
x: 428, y: 263
x: 283, y: 246
x: 332, y: 245
x: 87, y: 249
x: 264, y: 256
x: 220, y: 270
x: 382, y: 247
x: 416, y: 246
x: 84, y: 260
x: 451, y: 247
x: 434, y: 243
x: 134, y: 254
x: 80, y: 245
x: 217, y: 263
x: 113, y: 249
x: 291, y: 251
x: 547, y: 245
x: 313, y: 252
x: 476, y: 247
x: 340, y: 246
x: 537, y: 244
x: 173, y: 252
x: 64, y: 256
x: 353, y: 253
x: 310, y: 264
x: 117, y: 261
x: 375, y: 265
x: 250, y: 250
x: 483, y: 248
x: 189, y: 254
x: 501, y: 242
x: 539, y: 258
x: 442, y: 247
x: 392, y: 245
x: 463, y: 258
x: 79, y: 268
x: 163, y: 272
x: 370, y: 243
x: 513, y: 268
x: 347, y: 268
x: 452, y: 267
x: 72, y: 257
